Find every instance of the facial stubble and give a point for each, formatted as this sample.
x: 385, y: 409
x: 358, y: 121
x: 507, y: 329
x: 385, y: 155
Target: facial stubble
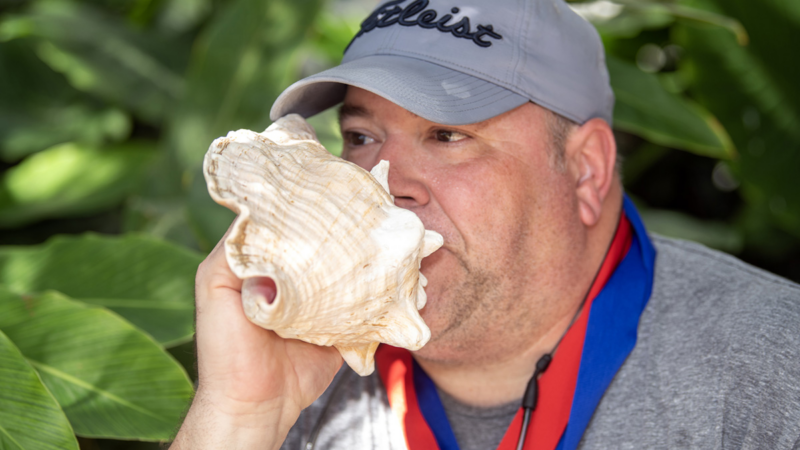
x: 484, y: 314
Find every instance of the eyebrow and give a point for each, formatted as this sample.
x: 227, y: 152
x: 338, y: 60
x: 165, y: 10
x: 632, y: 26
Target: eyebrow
x: 352, y: 111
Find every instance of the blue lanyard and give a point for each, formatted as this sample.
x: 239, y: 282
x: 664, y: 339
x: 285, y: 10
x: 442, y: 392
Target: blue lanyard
x: 432, y: 410
x: 610, y: 337
x: 611, y: 331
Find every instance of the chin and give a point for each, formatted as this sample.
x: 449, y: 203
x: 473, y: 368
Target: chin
x: 442, y: 269
x: 441, y: 346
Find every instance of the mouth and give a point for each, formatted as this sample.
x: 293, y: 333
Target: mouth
x: 433, y: 258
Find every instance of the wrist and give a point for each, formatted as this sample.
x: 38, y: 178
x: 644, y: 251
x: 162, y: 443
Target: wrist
x: 215, y: 422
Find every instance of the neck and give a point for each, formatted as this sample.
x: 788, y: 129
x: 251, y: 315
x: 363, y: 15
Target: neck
x: 509, y: 376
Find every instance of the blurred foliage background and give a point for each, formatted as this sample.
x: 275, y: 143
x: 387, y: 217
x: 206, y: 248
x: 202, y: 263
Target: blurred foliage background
x: 107, y: 108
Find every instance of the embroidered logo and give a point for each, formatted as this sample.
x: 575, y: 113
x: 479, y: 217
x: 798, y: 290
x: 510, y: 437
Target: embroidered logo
x: 390, y: 14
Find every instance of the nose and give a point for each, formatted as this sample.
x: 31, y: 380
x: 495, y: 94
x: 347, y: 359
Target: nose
x: 408, y: 171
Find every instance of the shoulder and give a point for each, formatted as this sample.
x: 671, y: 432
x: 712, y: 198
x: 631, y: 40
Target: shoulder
x: 682, y: 264
x: 736, y: 303
x: 724, y: 314
x: 716, y: 362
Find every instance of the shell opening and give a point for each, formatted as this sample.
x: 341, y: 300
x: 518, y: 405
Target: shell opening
x: 264, y: 288
x: 268, y: 300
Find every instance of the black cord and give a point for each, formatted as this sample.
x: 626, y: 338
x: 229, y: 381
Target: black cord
x: 531, y: 396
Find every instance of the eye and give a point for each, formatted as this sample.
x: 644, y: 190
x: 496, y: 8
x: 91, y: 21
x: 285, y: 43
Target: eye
x: 449, y: 136
x: 356, y: 139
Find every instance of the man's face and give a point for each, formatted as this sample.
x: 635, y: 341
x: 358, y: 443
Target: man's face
x: 507, y: 218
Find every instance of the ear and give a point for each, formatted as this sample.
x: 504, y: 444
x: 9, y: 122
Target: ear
x: 592, y: 153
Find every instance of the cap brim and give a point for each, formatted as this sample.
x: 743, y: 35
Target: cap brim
x: 429, y: 90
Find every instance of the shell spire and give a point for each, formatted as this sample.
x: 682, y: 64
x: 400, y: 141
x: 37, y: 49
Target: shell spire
x: 345, y: 260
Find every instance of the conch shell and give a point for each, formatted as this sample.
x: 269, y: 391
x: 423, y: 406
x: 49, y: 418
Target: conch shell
x: 345, y: 259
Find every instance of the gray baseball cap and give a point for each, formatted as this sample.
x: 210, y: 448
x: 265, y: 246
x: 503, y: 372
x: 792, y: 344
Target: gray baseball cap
x: 457, y: 62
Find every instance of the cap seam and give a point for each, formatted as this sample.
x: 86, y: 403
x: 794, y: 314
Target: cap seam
x: 522, y: 23
x: 394, y: 35
x: 453, y: 92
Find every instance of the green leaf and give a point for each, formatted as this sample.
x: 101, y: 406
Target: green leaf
x: 101, y: 55
x: 70, y: 180
x: 163, y: 218
x: 239, y: 65
x: 159, y: 207
x: 147, y: 281
x: 646, y: 109
x: 182, y: 15
x: 57, y: 124
x: 110, y: 379
x: 331, y: 32
x: 208, y: 219
x: 30, y: 418
x: 771, y: 24
x: 753, y: 90
x: 38, y: 108
x: 615, y: 20
x: 688, y: 13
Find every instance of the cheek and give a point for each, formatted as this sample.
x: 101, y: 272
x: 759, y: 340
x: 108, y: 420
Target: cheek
x: 504, y: 211
x: 482, y: 196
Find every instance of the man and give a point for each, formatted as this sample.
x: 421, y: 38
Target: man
x: 547, y: 293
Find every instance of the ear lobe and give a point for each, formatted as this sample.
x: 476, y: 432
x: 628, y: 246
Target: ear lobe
x: 593, y: 152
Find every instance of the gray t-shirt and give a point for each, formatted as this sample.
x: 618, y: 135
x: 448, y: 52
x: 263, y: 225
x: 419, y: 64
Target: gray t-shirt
x: 478, y: 428
x: 716, y: 366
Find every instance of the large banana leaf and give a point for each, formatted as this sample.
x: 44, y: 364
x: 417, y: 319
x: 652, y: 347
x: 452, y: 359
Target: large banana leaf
x: 38, y: 108
x: 100, y: 54
x: 70, y: 180
x: 30, y: 418
x: 753, y: 90
x: 110, y: 379
x: 33, y: 131
x: 646, y: 109
x: 149, y: 282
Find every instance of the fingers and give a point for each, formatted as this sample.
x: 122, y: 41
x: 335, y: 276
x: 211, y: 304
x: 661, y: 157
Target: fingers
x: 218, y: 298
x: 319, y: 364
x: 214, y: 273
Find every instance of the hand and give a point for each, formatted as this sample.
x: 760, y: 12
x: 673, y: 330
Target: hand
x: 252, y: 383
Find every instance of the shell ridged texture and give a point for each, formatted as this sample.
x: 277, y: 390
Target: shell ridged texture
x: 345, y: 259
